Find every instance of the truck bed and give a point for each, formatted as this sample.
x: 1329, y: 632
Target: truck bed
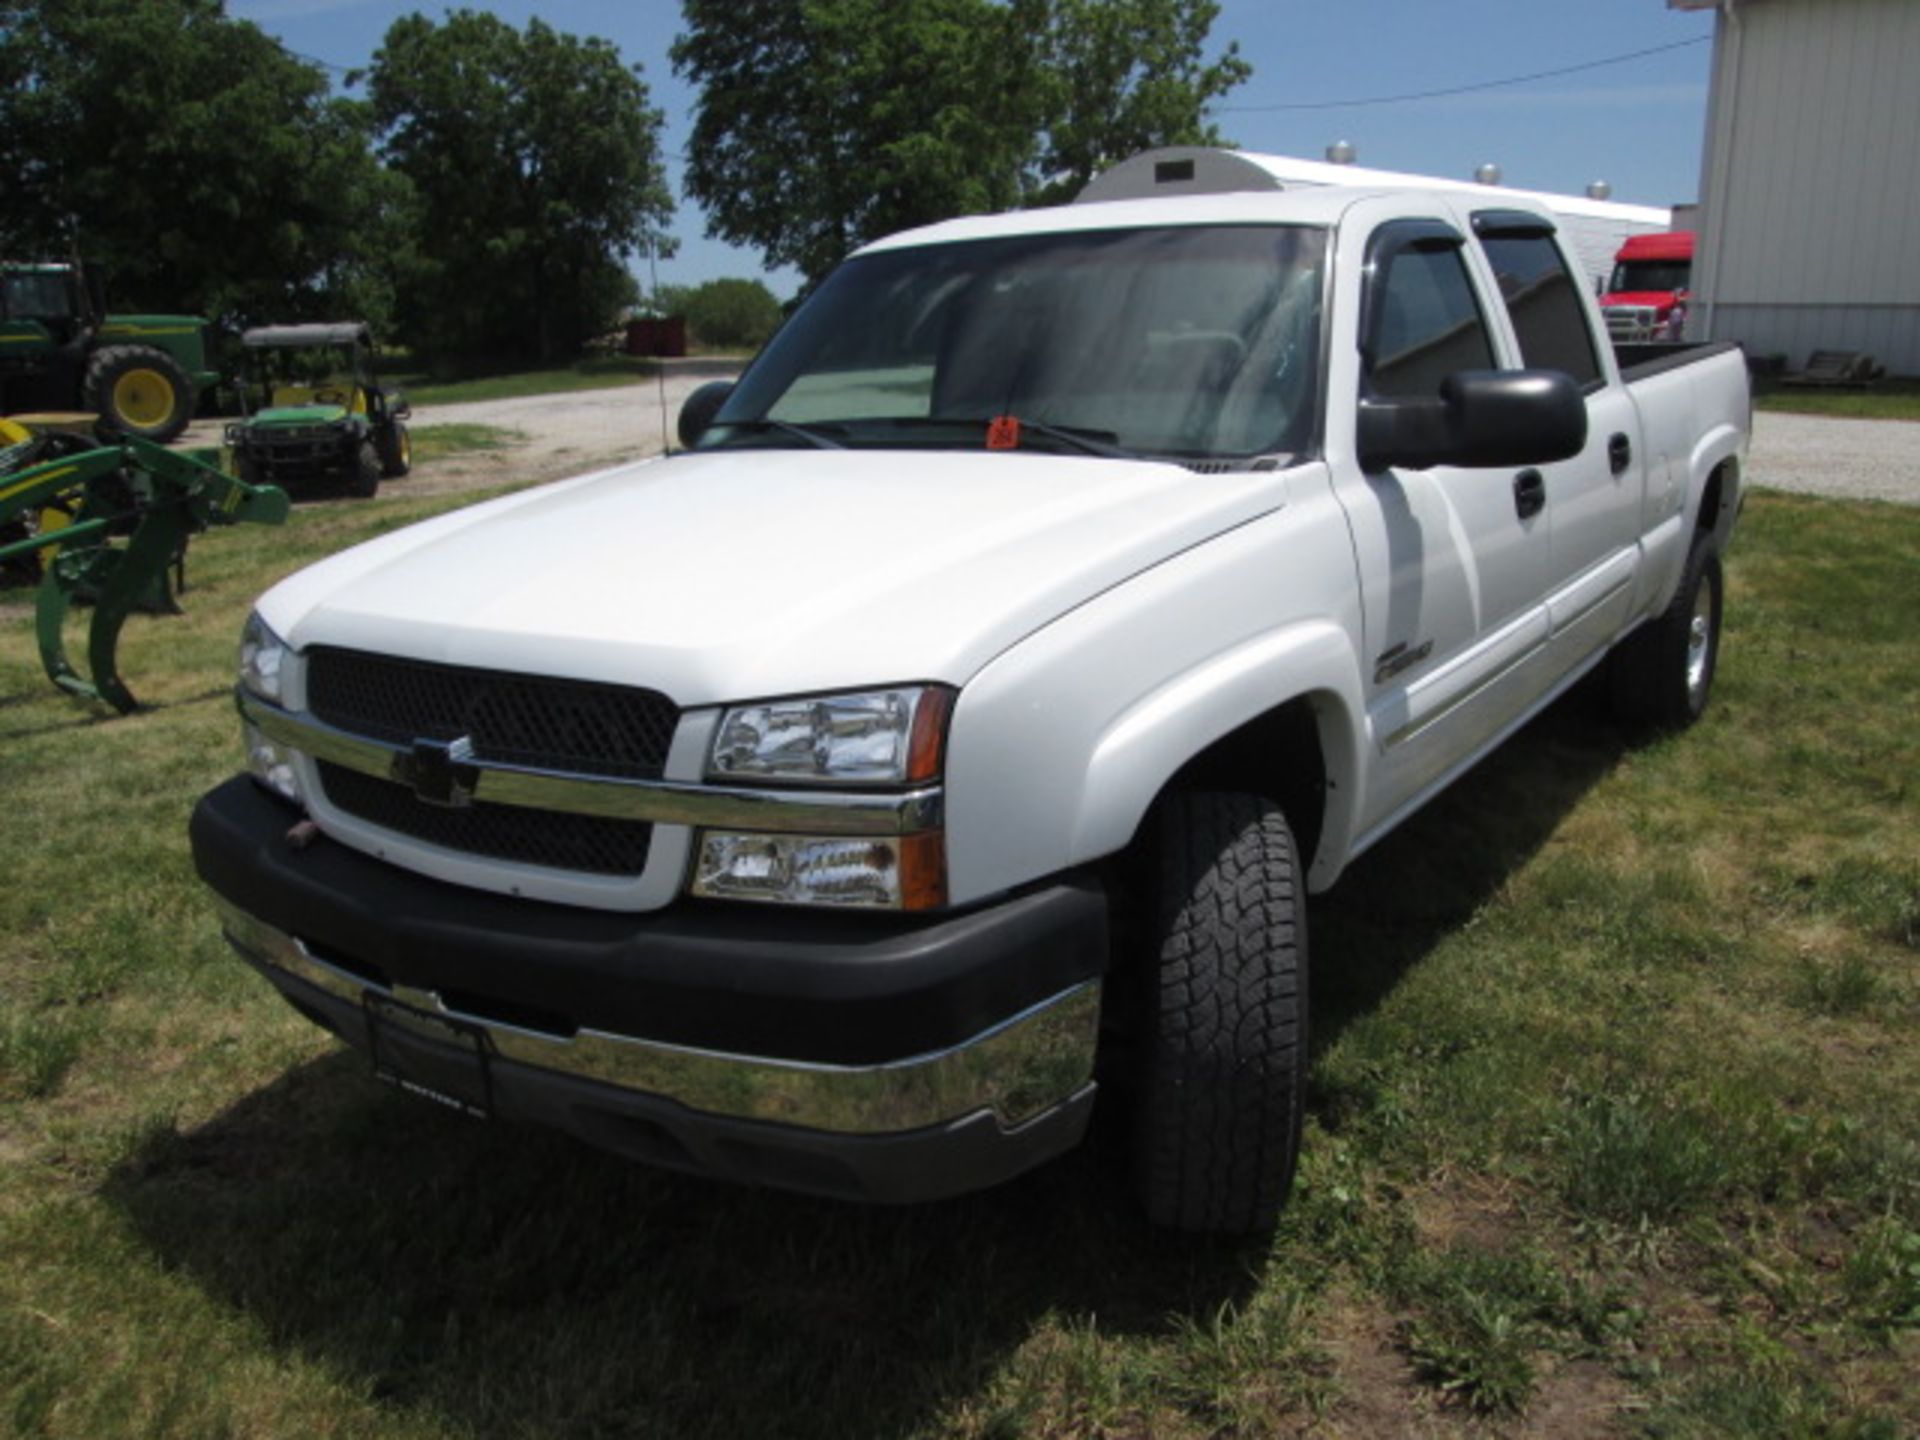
x: 1640, y: 358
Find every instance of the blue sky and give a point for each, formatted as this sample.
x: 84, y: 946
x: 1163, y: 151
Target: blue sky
x: 1638, y: 125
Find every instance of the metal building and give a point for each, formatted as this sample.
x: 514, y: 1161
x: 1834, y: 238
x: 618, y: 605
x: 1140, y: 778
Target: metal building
x: 1810, y: 183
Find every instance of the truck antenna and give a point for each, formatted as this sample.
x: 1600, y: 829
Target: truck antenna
x: 659, y: 360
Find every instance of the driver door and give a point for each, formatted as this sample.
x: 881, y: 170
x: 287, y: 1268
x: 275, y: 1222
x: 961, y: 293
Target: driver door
x: 1453, y: 560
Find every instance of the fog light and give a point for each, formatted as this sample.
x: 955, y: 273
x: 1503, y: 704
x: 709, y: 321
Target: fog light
x: 271, y: 765
x: 905, y: 872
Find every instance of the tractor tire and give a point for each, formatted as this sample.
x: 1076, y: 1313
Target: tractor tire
x: 246, y: 469
x: 22, y: 570
x: 396, y: 451
x: 138, y: 390
x: 363, y: 473
x: 1222, y: 1070
x: 1662, y: 675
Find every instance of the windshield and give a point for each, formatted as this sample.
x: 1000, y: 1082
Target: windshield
x: 36, y: 296
x: 1184, y: 342
x: 1647, y: 275
x: 284, y: 376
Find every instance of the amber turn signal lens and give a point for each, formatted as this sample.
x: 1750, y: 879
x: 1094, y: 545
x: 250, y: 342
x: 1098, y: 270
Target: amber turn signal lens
x: 927, y: 746
x: 923, y: 870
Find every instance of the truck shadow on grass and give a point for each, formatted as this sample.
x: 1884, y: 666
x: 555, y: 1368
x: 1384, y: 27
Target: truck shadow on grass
x: 1433, y: 873
x: 509, y: 1280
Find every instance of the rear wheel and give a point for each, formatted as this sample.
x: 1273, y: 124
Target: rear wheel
x: 138, y: 390
x: 1662, y: 675
x: 1223, y: 1068
x: 363, y: 472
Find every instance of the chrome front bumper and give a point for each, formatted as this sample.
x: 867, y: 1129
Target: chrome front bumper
x: 1013, y: 1072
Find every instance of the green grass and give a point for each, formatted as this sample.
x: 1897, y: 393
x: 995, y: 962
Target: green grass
x: 1614, y: 1123
x: 600, y: 373
x: 1888, y: 399
x: 437, y: 442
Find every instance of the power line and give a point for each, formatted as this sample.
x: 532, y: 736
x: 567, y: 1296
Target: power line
x: 323, y: 64
x: 1465, y: 89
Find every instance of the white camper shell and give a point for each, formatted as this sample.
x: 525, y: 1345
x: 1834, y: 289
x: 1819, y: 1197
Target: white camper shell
x: 1595, y: 228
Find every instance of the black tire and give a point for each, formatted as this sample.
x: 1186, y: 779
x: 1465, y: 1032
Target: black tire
x: 1223, y: 1068
x: 24, y: 569
x: 246, y: 469
x: 138, y: 390
x: 363, y: 472
x: 396, y: 451
x: 1662, y: 674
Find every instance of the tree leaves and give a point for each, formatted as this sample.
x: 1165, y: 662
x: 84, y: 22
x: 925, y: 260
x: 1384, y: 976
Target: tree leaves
x: 534, y: 161
x: 823, y: 124
x: 197, y: 163
x: 205, y: 169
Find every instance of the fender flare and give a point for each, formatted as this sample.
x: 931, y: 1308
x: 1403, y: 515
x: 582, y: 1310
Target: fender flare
x: 1718, y: 448
x: 1149, y: 743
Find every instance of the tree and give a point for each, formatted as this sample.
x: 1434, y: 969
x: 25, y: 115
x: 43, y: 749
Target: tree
x: 731, y: 314
x: 186, y: 155
x: 1127, y: 76
x: 822, y: 124
x: 534, y: 159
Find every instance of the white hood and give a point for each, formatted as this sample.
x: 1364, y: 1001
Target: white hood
x: 742, y: 574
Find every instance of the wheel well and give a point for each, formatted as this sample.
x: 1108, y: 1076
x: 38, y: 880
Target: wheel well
x: 1713, y: 498
x: 1278, y: 755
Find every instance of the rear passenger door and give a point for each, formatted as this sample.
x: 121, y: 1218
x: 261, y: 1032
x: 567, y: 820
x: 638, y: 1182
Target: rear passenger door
x: 1593, y: 500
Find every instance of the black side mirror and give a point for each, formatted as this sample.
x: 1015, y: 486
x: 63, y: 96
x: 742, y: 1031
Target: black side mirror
x: 1480, y: 418
x: 699, y: 408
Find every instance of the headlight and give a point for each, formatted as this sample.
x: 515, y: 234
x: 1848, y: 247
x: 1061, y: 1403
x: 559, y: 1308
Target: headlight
x: 271, y: 765
x: 261, y: 655
x: 874, y: 737
x: 904, y: 872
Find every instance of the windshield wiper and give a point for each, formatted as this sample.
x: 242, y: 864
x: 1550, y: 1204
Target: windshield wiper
x: 814, y: 436
x: 1087, y: 441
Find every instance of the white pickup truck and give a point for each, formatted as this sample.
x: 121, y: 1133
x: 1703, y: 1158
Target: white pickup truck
x: 946, y: 744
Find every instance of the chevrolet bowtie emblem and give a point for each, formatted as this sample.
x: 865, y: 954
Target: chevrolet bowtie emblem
x: 439, y: 772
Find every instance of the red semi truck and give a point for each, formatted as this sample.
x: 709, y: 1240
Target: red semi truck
x: 1646, y: 297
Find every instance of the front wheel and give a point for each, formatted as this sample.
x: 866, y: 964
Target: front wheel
x: 1223, y: 1068
x: 396, y: 451
x: 1662, y: 675
x: 363, y: 471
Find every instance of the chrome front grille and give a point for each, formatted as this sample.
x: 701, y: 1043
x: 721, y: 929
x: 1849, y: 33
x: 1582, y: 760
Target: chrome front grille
x: 554, y: 839
x: 563, y: 727
x: 575, y: 727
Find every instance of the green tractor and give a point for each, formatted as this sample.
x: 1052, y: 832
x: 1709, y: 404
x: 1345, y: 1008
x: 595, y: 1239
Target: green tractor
x: 315, y: 410
x: 142, y: 374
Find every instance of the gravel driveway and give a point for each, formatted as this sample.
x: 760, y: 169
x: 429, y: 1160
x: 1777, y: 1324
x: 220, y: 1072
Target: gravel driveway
x: 1821, y: 455
x: 567, y: 434
x: 556, y: 435
x: 571, y: 434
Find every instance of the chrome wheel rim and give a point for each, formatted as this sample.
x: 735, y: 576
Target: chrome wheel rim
x: 1700, y: 643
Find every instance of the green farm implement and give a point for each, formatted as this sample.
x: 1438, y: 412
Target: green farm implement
x: 66, y: 501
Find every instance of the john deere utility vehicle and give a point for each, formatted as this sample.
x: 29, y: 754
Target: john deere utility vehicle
x: 59, y: 351
x: 322, y: 414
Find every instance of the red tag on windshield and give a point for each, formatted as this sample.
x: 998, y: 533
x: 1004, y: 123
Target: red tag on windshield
x: 1003, y: 433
